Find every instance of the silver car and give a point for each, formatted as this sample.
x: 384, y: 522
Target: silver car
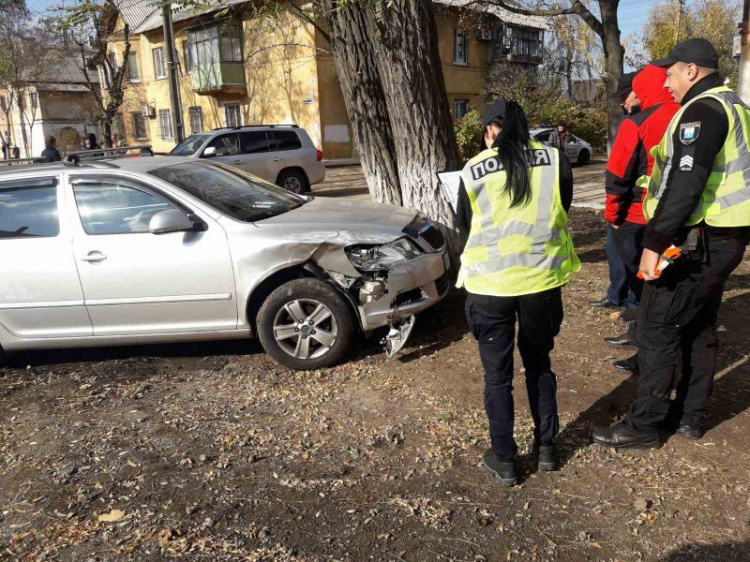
x: 281, y: 154
x: 578, y: 150
x: 160, y: 249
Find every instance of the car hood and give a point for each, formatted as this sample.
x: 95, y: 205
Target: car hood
x: 343, y: 222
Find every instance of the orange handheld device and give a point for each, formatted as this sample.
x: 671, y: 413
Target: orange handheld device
x: 665, y: 260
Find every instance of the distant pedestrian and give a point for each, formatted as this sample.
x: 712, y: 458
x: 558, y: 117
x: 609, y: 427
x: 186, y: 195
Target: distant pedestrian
x: 90, y: 142
x: 513, y: 205
x: 560, y: 137
x: 50, y: 152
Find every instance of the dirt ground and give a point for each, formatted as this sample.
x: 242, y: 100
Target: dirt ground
x: 213, y: 452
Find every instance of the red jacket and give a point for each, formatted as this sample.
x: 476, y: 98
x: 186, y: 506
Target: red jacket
x: 631, y: 154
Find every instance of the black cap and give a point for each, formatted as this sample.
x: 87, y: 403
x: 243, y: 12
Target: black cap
x: 493, y: 112
x: 697, y: 51
x: 625, y: 85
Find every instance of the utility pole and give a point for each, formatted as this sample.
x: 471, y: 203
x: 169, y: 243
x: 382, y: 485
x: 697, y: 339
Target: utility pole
x: 172, y: 73
x: 744, y: 80
x: 680, y: 5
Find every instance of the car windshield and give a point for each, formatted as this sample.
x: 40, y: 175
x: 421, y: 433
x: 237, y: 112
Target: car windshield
x: 189, y: 146
x: 233, y: 192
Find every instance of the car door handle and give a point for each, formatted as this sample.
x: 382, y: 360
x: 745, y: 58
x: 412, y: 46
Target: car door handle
x: 238, y: 161
x: 94, y: 257
x: 277, y: 159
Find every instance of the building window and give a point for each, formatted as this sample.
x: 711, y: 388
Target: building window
x: 461, y: 48
x: 140, y: 128
x: 119, y: 137
x: 159, y: 71
x: 34, y: 99
x: 4, y: 103
x: 134, y: 74
x: 460, y: 108
x: 232, y: 115
x: 165, y: 124
x: 216, y: 43
x: 524, y: 42
x: 196, y: 120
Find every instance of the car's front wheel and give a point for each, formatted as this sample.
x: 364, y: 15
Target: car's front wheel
x: 584, y: 157
x: 305, y: 324
x: 3, y: 358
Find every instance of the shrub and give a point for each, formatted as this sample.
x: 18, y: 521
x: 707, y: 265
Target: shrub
x: 469, y: 135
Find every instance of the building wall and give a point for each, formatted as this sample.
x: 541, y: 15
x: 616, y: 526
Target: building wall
x: 281, y: 77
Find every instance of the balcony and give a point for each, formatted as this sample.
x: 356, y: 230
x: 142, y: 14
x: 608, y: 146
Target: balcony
x: 218, y: 77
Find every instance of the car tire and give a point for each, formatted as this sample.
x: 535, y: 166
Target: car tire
x: 293, y: 318
x: 4, y: 360
x: 584, y: 157
x: 294, y: 181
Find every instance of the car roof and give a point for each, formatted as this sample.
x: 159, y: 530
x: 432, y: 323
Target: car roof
x: 138, y: 164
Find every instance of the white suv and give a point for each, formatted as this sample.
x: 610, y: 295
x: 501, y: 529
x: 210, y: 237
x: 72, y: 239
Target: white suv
x: 282, y: 154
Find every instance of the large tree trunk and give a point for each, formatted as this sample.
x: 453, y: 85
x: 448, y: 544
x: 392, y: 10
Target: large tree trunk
x: 613, y: 63
x: 411, y: 72
x: 352, y: 49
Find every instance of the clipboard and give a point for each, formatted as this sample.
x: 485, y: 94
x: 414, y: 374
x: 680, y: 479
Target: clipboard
x: 450, y: 183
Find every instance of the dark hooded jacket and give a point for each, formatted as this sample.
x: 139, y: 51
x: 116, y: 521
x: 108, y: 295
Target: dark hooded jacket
x: 92, y: 141
x: 631, y: 154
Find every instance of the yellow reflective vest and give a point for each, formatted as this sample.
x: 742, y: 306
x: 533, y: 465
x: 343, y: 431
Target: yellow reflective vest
x: 518, y: 250
x: 726, y: 199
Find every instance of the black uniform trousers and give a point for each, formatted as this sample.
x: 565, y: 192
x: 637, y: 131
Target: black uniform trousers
x: 679, y: 312
x: 492, y: 321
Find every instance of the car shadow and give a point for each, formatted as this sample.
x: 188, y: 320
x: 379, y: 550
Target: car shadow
x: 723, y: 552
x: 731, y: 395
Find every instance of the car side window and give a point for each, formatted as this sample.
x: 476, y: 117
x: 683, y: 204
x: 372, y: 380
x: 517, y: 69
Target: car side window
x: 544, y: 136
x: 285, y: 140
x: 28, y: 209
x: 225, y: 145
x: 253, y: 142
x: 114, y: 206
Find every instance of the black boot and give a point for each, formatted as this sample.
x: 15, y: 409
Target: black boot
x: 692, y: 432
x: 629, y: 365
x: 628, y: 316
x: 545, y: 455
x: 623, y: 342
x: 503, y: 469
x: 623, y: 436
x: 604, y: 303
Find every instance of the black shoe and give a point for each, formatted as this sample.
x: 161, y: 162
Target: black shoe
x: 629, y: 365
x: 628, y: 315
x: 604, y: 303
x: 504, y: 470
x: 623, y: 342
x: 545, y: 455
x: 622, y: 436
x: 692, y: 432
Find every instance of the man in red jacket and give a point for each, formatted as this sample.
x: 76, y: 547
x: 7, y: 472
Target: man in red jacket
x: 630, y: 159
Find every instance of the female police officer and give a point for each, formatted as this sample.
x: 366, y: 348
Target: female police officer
x: 513, y: 204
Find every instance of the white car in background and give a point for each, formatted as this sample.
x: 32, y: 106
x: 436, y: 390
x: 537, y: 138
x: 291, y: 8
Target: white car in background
x: 579, y: 151
x: 280, y: 154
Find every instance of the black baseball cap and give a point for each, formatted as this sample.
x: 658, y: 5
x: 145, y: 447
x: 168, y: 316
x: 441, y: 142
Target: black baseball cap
x: 624, y: 85
x: 697, y: 51
x: 493, y: 112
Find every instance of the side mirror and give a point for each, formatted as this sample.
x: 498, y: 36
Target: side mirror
x: 209, y: 152
x: 170, y: 220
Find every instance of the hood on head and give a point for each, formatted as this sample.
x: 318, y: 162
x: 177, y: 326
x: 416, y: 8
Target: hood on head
x: 91, y: 137
x: 648, y: 85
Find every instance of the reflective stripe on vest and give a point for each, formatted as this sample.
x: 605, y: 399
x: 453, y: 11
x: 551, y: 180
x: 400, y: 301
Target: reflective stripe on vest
x: 726, y: 199
x: 541, y: 252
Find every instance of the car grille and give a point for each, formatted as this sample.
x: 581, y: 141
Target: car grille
x: 433, y: 237
x: 443, y: 284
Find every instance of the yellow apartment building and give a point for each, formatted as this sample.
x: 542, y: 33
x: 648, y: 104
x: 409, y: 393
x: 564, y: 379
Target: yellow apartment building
x: 236, y: 70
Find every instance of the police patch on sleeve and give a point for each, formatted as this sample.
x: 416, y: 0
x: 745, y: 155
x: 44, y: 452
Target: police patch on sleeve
x: 689, y: 132
x: 687, y: 159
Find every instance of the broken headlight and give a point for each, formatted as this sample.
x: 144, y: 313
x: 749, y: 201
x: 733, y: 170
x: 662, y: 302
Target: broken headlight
x: 374, y: 258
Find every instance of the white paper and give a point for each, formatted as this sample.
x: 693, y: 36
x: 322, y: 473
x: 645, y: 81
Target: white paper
x: 450, y: 183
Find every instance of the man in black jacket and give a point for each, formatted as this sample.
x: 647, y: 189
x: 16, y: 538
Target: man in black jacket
x: 690, y: 203
x: 50, y: 152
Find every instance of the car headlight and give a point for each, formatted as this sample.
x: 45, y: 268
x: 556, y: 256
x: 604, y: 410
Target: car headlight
x: 373, y: 258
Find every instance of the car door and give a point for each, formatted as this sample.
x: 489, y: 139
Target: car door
x: 227, y: 147
x: 256, y: 156
x: 285, y: 148
x: 40, y: 292
x: 135, y: 282
x: 574, y: 147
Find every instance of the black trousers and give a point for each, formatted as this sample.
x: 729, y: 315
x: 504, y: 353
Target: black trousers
x: 492, y: 321
x: 679, y: 312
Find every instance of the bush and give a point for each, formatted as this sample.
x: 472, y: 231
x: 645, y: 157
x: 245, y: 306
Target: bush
x: 469, y: 135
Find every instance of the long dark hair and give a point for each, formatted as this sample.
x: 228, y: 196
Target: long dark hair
x: 512, y: 143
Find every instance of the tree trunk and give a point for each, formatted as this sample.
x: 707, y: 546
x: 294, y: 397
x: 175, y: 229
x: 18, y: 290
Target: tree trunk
x: 613, y: 63
x: 352, y: 49
x: 411, y: 73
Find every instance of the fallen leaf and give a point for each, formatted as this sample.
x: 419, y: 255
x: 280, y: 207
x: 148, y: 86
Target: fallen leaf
x: 112, y: 516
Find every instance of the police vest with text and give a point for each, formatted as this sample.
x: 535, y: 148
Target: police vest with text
x: 726, y: 199
x: 517, y: 250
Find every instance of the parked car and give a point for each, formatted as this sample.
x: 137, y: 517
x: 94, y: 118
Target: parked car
x: 160, y: 249
x: 579, y: 151
x: 281, y: 154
